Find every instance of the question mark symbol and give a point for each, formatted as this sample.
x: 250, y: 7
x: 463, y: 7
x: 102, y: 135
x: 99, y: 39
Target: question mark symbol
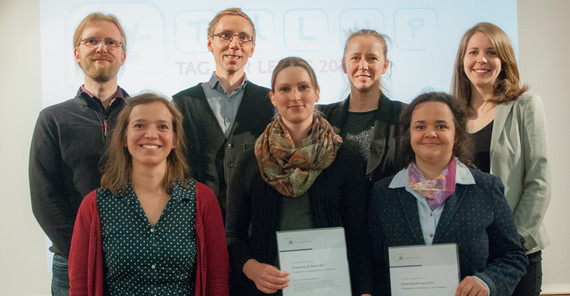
x: 414, y: 25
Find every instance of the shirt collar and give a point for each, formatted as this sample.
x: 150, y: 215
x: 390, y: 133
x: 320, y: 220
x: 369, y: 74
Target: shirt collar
x: 214, y: 83
x: 178, y: 193
x: 117, y: 95
x: 462, y: 176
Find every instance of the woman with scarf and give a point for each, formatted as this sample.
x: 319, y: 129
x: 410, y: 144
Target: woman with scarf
x: 297, y: 177
x: 437, y: 199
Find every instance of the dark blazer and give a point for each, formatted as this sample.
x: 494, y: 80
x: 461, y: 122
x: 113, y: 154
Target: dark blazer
x: 476, y: 217
x: 337, y: 198
x: 210, y: 155
x: 385, y: 143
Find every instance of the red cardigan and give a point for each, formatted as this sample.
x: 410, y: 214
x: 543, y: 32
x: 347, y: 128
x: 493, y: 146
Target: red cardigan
x: 86, y: 255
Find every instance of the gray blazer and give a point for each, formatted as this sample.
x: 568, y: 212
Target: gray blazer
x: 519, y: 157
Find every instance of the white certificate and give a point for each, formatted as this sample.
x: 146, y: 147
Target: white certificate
x: 424, y: 270
x: 316, y: 261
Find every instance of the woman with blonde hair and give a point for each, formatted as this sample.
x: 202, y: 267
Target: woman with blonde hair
x: 150, y: 227
x: 367, y: 120
x: 299, y: 176
x: 509, y: 131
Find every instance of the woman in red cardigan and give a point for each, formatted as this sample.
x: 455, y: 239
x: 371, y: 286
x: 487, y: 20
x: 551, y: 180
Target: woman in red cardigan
x: 150, y: 228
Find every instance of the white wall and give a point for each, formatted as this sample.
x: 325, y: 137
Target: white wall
x: 544, y: 43
x: 544, y: 59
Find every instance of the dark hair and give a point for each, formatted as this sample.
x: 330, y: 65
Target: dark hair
x: 506, y: 87
x: 98, y: 17
x: 118, y: 160
x: 463, y: 147
x: 229, y: 11
x: 293, y: 62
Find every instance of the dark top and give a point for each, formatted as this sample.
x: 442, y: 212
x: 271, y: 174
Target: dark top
x: 68, y: 142
x: 337, y: 198
x: 210, y: 155
x: 296, y: 213
x: 482, y: 148
x: 144, y: 259
x: 358, y: 131
x: 476, y: 217
x: 385, y: 137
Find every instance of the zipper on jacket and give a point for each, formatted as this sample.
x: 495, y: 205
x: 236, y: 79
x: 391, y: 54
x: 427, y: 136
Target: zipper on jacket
x: 105, y: 123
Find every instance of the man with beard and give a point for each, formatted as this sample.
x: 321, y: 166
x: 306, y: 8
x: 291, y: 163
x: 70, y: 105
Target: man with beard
x: 225, y: 115
x: 70, y: 138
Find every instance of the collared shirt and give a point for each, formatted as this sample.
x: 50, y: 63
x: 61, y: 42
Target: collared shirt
x: 428, y: 218
x: 225, y: 106
x: 142, y: 259
x: 117, y: 95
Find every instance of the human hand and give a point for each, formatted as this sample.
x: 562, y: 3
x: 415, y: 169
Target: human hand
x: 267, y: 278
x: 471, y: 286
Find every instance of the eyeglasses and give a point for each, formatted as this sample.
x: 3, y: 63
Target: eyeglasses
x: 94, y: 42
x: 227, y: 37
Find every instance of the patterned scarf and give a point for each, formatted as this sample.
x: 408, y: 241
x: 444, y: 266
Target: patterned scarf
x: 436, y: 191
x: 290, y: 170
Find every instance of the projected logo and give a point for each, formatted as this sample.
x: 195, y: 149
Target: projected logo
x: 415, y: 28
x: 355, y: 19
x: 305, y: 29
x: 191, y: 30
x: 264, y: 23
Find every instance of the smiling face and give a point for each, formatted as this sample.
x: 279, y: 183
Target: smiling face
x: 100, y: 63
x: 149, y: 137
x: 481, y: 63
x: 432, y: 134
x: 231, y: 56
x: 295, y: 96
x: 364, y: 63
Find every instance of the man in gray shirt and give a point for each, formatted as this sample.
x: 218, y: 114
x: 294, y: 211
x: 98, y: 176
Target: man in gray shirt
x: 224, y: 116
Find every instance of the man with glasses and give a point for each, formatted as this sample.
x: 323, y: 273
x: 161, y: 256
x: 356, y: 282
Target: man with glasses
x: 70, y: 138
x: 225, y: 115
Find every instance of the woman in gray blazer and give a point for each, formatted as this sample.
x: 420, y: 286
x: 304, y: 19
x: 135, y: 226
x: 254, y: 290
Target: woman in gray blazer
x: 509, y: 132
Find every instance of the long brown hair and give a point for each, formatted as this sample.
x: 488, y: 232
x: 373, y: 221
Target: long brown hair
x: 118, y: 160
x: 506, y: 87
x: 463, y: 147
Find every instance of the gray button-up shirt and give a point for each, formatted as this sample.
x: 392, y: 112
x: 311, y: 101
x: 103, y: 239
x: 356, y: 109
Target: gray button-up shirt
x: 224, y: 105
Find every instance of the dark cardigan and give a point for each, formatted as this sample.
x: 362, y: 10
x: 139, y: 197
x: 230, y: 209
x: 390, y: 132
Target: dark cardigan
x: 385, y: 139
x: 476, y: 217
x: 338, y: 197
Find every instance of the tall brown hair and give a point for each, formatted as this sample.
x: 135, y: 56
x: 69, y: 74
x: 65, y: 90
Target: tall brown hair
x: 463, y: 147
x: 229, y: 11
x: 506, y: 87
x: 98, y: 17
x: 118, y: 160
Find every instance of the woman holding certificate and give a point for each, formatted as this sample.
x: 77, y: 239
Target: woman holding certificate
x: 509, y: 130
x: 437, y: 199
x: 150, y: 229
x: 297, y: 177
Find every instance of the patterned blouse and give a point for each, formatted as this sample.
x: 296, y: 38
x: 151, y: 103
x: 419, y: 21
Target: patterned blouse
x: 140, y: 259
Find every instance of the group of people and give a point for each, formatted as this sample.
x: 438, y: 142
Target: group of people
x: 144, y: 195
